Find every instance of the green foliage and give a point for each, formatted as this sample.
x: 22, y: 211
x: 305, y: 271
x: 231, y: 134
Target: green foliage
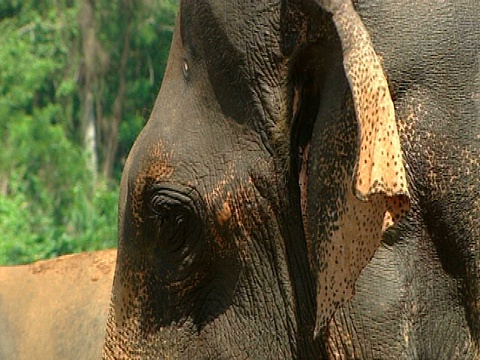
x: 51, y: 206
x: 50, y: 202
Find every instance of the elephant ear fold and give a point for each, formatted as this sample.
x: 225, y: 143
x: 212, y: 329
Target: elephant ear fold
x: 379, y: 196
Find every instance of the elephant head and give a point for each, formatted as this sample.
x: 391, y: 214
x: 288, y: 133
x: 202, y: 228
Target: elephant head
x: 260, y: 186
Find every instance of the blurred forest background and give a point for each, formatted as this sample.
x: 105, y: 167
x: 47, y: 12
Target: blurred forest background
x: 78, y: 79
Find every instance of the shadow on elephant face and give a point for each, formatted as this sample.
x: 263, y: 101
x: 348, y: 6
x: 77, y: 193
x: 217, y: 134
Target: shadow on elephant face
x: 220, y: 252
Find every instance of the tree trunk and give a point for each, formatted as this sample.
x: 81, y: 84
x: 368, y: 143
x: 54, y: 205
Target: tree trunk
x: 90, y: 133
x: 88, y: 121
x: 112, y: 124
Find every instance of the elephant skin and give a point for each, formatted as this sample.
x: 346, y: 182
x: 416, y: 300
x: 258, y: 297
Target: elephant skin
x: 56, y: 309
x: 306, y: 186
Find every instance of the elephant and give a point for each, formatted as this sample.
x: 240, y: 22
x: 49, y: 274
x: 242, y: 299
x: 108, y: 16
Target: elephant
x: 306, y: 186
x: 56, y: 309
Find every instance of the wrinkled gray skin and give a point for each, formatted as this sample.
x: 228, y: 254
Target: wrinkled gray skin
x: 214, y: 260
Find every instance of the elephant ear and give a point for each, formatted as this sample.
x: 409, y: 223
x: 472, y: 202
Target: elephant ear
x: 349, y: 229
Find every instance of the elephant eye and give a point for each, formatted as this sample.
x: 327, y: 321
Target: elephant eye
x: 186, y: 69
x: 175, y: 219
x: 170, y: 220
